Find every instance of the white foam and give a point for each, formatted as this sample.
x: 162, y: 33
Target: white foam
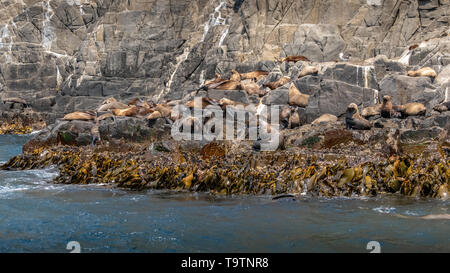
x: 385, y: 210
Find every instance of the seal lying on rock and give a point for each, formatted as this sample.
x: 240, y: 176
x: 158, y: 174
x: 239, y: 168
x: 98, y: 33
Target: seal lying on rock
x: 252, y: 88
x: 309, y: 70
x: 112, y: 105
x: 226, y: 85
x: 254, y: 74
x: 371, y: 111
x: 443, y: 107
x: 294, y: 59
x: 412, y: 109
x: 79, y: 116
x: 354, y: 121
x: 276, y: 84
x: 15, y: 100
x: 325, y: 118
x: 128, y: 112
x: 423, y: 72
x: 296, y: 97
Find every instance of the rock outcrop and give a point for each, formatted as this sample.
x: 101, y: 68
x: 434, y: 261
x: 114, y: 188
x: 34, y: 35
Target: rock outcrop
x: 62, y: 56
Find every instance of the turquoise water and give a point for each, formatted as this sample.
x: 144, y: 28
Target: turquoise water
x: 38, y: 216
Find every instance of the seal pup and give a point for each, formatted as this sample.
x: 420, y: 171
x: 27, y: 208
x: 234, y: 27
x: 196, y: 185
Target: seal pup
x: 412, y: 109
x: 325, y: 118
x: 308, y: 70
x: 274, y: 85
x: 254, y: 75
x: 294, y: 59
x: 443, y: 107
x: 423, y: 72
x: 354, y: 121
x: 105, y: 116
x: 296, y: 97
x: 79, y: 116
x: 164, y: 109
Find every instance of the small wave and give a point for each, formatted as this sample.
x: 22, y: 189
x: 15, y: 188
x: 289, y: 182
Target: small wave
x: 384, y: 209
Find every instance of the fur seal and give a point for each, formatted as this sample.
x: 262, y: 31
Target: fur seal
x: 443, y: 107
x: 109, y: 100
x: 354, y: 121
x: 308, y: 70
x: 325, y: 118
x: 217, y: 79
x: 226, y: 85
x: 128, y: 112
x: 387, y: 109
x: 204, y: 103
x: 154, y: 115
x: 276, y: 84
x: 371, y: 111
x: 112, y: 105
x: 254, y: 75
x: 79, y: 116
x: 423, y: 72
x: 235, y: 76
x: 252, y: 88
x: 412, y: 109
x: 15, y: 100
x: 165, y: 110
x: 294, y: 59
x: 294, y: 119
x: 105, y: 116
x: 296, y: 97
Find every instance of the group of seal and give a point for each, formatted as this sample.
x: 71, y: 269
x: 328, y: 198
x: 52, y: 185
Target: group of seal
x: 386, y: 110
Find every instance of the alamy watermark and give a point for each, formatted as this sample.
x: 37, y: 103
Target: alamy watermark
x: 233, y: 122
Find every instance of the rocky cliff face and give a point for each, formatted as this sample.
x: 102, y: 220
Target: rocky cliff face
x: 66, y: 55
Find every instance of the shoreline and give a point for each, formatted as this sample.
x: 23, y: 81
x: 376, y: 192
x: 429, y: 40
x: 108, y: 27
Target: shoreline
x: 221, y: 169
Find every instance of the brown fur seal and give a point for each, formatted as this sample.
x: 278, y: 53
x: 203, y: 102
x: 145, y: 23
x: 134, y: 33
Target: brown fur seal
x: 128, y: 112
x: 296, y: 97
x: 79, y: 116
x: 325, y: 118
x: 204, y: 103
x: 354, y: 121
x: 294, y: 59
x: 15, y: 100
x: 308, y: 70
x: 424, y: 72
x: 254, y: 74
x: 165, y: 110
x: 105, y: 116
x: 216, y: 80
x: 412, y: 109
x: 154, y: 115
x: 112, y: 105
x: 371, y: 111
x: 235, y: 76
x: 109, y: 100
x: 252, y: 88
x: 443, y: 107
x: 226, y: 85
x: 388, y: 110
x: 294, y: 119
x: 280, y: 82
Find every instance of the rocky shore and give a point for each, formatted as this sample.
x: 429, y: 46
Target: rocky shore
x: 362, y: 92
